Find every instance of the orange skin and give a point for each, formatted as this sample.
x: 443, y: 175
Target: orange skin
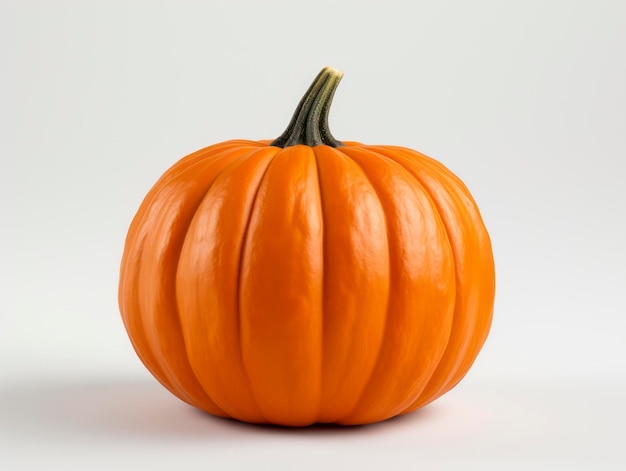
x: 307, y: 284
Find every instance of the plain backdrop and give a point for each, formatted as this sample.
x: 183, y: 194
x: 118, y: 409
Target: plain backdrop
x: 524, y: 100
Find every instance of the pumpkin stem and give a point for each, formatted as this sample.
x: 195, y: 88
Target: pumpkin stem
x: 309, y: 125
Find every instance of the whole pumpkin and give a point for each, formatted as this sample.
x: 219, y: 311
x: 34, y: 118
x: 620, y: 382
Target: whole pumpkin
x: 307, y: 280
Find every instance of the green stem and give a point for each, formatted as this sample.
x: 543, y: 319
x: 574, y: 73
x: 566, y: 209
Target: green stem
x: 309, y: 125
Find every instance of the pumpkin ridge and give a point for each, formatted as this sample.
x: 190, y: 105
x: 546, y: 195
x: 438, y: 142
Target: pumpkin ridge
x: 356, y: 286
x: 186, y: 164
x: 384, y: 329
x: 436, y: 349
x: 280, y: 288
x: 238, y: 309
x: 196, y: 167
x: 155, y: 363
x: 455, y: 373
x: 144, y: 353
x: 199, y: 166
x: 210, y: 152
x: 236, y: 161
x: 380, y: 151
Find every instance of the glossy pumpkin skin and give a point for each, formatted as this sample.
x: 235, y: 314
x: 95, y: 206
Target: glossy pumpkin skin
x: 308, y: 283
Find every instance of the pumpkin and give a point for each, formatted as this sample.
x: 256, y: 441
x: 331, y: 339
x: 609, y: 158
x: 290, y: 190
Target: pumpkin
x: 306, y: 280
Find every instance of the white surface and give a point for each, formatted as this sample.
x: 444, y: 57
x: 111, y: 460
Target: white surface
x: 524, y: 100
x: 114, y: 424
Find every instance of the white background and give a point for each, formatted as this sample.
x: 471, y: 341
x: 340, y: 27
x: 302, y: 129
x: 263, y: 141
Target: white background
x: 524, y: 100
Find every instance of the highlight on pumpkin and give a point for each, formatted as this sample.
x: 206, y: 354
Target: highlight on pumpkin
x: 305, y: 280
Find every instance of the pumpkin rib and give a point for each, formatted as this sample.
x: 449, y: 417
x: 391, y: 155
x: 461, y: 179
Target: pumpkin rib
x: 431, y: 331
x: 455, y: 190
x: 475, y: 336
x: 183, y: 165
x: 177, y: 170
x: 386, y: 316
x: 236, y: 161
x: 139, y: 335
x: 355, y: 280
x: 386, y: 154
x: 474, y: 342
x: 176, y: 369
x: 135, y: 327
x: 202, y: 156
x: 220, y: 146
x: 239, y: 270
x: 280, y: 286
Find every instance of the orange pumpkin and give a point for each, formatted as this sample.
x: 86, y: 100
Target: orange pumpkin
x: 307, y: 280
